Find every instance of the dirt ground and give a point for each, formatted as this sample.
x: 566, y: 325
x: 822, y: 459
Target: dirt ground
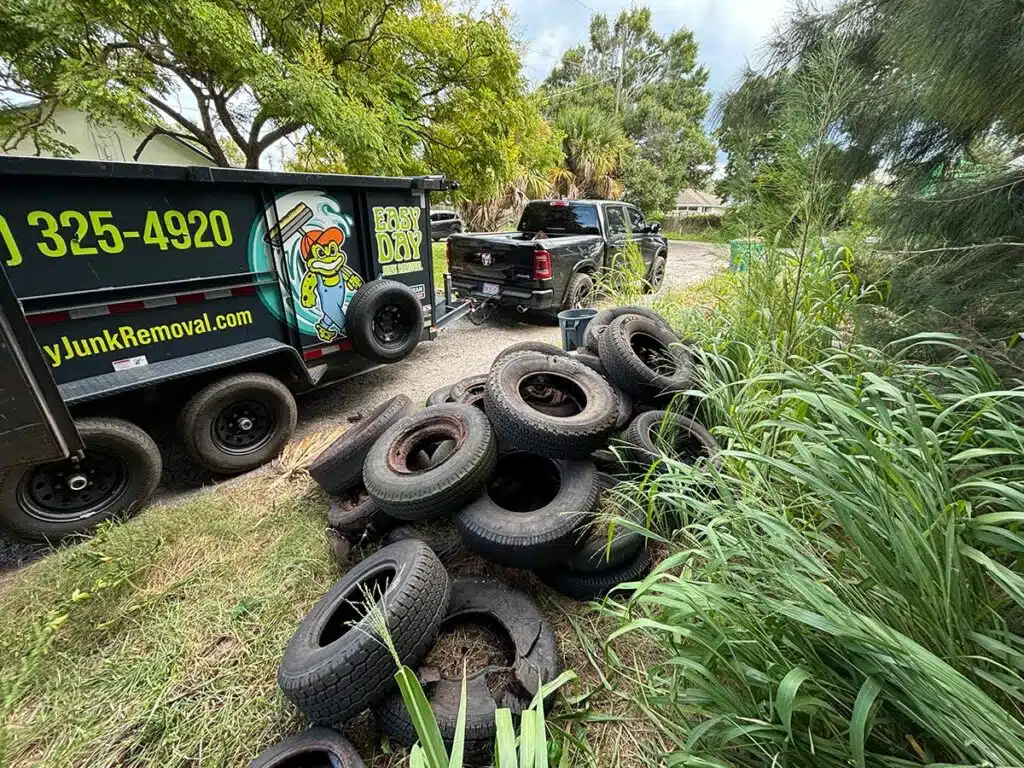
x: 460, y: 350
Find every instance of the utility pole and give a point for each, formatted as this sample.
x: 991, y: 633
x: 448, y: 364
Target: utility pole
x: 622, y: 66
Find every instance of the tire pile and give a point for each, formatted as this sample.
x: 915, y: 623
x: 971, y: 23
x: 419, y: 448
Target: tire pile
x: 514, y: 457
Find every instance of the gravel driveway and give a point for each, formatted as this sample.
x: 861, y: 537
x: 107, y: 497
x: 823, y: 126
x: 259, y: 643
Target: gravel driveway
x: 460, y: 350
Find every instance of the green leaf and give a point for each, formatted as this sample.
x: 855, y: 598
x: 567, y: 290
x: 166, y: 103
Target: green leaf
x: 541, y: 760
x: 528, y: 738
x: 418, y: 759
x: 422, y: 718
x: 859, y: 727
x: 786, y: 694
x: 459, y: 744
x: 505, y: 739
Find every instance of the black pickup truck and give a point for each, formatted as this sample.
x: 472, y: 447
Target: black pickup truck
x: 550, y: 262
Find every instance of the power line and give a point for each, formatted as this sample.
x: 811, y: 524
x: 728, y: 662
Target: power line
x: 603, y: 80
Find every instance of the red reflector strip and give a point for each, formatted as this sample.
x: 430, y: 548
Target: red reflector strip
x: 126, y: 306
x: 48, y: 318
x: 244, y: 290
x: 312, y: 354
x: 315, y: 354
x: 190, y: 298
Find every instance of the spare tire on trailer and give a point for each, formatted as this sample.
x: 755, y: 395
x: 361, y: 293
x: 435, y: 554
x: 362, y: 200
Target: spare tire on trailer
x: 335, y: 665
x: 116, y: 476
x: 307, y: 748
x: 340, y: 467
x: 550, y: 405
x: 534, y: 661
x: 384, y: 321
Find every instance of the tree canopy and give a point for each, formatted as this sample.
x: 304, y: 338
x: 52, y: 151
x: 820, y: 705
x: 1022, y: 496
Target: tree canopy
x: 647, y: 87
x: 392, y: 86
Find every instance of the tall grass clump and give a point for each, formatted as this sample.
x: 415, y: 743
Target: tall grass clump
x: 845, y: 591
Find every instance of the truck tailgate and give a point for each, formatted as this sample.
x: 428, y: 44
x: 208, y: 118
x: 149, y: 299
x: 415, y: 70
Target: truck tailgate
x: 492, y: 259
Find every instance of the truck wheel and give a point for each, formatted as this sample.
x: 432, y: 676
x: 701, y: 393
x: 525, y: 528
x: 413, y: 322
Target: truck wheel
x: 550, y: 406
x: 657, y: 276
x: 238, y: 423
x: 119, y: 472
x: 579, y: 293
x: 531, y: 512
x: 384, y: 321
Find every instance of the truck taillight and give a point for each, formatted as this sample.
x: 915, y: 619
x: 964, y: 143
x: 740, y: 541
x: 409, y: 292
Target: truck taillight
x: 541, y: 265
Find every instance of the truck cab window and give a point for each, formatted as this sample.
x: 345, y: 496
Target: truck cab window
x: 636, y: 221
x: 616, y: 220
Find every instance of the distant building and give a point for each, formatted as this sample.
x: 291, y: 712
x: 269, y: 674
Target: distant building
x: 113, y: 141
x: 694, y: 202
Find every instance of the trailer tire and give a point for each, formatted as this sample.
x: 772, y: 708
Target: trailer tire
x: 532, y: 511
x: 331, y: 669
x: 238, y: 423
x: 29, y: 509
x: 312, y: 743
x: 594, y: 585
x: 384, y: 321
x: 518, y: 384
x: 645, y: 359
x: 340, y: 467
x: 600, y: 322
x: 410, y: 491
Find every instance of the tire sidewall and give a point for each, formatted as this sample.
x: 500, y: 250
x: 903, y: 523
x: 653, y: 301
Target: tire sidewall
x: 360, y: 314
x: 628, y: 372
x: 142, y: 461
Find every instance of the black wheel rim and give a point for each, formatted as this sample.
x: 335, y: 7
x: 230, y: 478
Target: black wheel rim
x: 65, y: 491
x: 659, y: 275
x: 582, y: 298
x: 243, y: 426
x: 392, y: 324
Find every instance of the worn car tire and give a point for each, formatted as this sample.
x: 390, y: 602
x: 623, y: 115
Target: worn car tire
x: 595, y: 552
x: 209, y: 431
x: 529, y: 346
x: 446, y: 543
x: 384, y: 321
x: 357, y: 517
x: 470, y: 390
x: 532, y: 511
x: 332, y: 670
x: 27, y: 514
x: 536, y: 661
x: 593, y: 362
x: 411, y: 492
x: 519, y: 380
x: 600, y: 321
x: 340, y: 467
x: 307, y: 747
x: 593, y: 585
x: 644, y: 359
x: 440, y: 396
x: 690, y: 439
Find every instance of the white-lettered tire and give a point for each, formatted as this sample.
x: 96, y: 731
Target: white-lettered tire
x: 550, y: 405
x: 408, y: 488
x: 335, y: 666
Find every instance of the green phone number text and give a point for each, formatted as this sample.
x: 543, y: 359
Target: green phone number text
x: 67, y: 232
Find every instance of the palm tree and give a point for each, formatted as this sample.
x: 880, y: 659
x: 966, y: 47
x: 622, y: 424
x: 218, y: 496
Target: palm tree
x: 595, y: 147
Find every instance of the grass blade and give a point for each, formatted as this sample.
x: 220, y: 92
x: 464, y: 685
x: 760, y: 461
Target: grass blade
x: 459, y: 745
x: 859, y: 727
x: 528, y: 739
x: 505, y: 739
x: 422, y: 718
x: 788, y: 689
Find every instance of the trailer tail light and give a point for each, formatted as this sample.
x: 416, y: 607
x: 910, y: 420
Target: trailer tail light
x: 541, y: 265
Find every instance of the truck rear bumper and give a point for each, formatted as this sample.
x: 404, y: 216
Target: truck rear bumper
x: 508, y: 296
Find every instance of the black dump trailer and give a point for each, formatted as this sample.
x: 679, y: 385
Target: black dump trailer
x: 208, y: 295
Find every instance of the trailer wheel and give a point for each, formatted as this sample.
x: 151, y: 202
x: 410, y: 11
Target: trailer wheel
x: 119, y: 472
x: 384, y: 321
x: 238, y: 423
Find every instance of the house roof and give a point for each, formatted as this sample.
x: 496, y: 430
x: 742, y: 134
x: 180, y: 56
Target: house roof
x: 697, y: 197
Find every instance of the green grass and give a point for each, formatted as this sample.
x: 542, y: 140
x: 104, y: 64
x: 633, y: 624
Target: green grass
x: 440, y: 263
x: 711, y: 236
x: 157, y: 642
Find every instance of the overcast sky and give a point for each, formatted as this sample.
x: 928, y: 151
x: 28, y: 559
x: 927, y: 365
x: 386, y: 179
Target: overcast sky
x: 728, y: 32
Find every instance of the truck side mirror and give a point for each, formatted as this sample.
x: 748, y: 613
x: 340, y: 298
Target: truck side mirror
x: 654, y: 228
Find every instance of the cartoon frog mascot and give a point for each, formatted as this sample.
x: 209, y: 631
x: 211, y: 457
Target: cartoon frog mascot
x: 328, y: 279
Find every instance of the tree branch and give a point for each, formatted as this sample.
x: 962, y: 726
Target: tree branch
x: 200, y: 136
x: 158, y: 131
x: 278, y: 133
x: 221, y: 105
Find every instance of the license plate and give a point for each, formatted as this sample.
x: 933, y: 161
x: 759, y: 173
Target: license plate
x: 490, y: 289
